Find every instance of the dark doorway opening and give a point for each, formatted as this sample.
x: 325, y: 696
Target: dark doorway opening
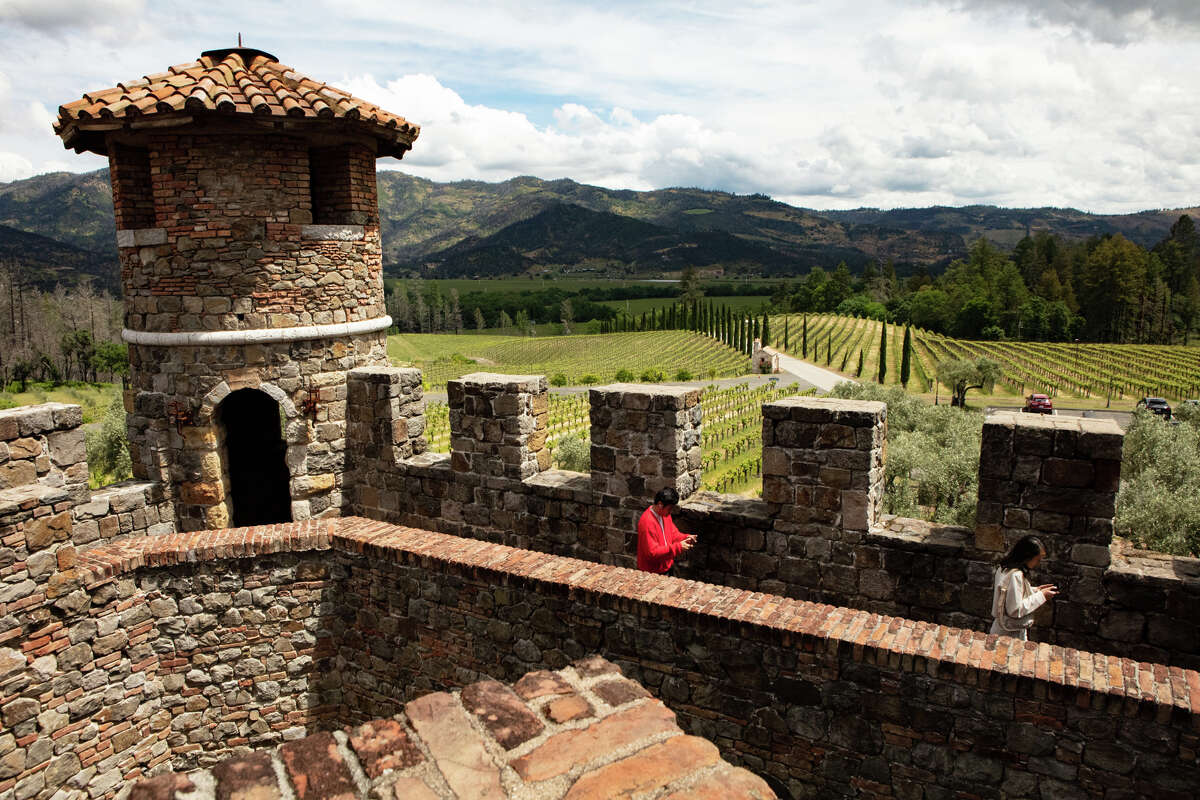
x: 255, y: 453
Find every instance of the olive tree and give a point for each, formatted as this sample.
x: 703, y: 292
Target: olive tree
x: 961, y: 376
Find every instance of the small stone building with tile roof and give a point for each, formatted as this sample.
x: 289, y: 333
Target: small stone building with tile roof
x: 764, y: 359
x: 248, y: 231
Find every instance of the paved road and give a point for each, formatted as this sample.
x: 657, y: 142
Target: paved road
x: 795, y: 371
x: 811, y: 374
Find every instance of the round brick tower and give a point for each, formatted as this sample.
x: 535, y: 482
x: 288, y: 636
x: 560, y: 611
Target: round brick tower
x: 248, y: 232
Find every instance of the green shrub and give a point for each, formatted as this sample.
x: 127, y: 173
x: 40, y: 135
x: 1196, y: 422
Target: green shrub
x: 932, y: 469
x: 652, y: 376
x: 107, y: 447
x: 1158, y: 506
x: 559, y: 379
x: 624, y: 376
x: 589, y: 379
x: 573, y: 453
x: 683, y: 375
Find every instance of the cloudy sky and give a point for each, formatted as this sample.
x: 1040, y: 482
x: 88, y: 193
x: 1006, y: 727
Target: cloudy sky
x: 1083, y: 103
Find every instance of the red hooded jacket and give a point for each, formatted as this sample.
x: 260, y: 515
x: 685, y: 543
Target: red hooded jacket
x: 658, y: 545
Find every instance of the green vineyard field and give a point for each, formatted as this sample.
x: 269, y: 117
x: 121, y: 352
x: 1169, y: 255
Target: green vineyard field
x: 1083, y: 370
x: 580, y: 359
x: 731, y: 439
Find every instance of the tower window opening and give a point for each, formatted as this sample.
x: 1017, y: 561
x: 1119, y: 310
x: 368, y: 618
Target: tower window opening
x: 133, y: 194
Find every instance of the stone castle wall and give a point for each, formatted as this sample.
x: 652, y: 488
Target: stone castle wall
x: 818, y: 534
x: 191, y: 647
x: 147, y: 650
x: 233, y: 244
x: 189, y: 460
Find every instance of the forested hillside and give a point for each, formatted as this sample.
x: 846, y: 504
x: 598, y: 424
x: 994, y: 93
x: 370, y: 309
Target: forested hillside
x: 524, y: 225
x: 1048, y: 288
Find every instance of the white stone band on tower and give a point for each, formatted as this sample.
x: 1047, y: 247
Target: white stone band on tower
x: 259, y: 336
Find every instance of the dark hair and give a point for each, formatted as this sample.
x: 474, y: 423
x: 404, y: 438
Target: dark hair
x: 1026, y: 548
x: 667, y: 496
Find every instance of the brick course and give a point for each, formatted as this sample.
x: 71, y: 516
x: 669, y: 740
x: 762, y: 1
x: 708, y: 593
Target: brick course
x: 813, y: 697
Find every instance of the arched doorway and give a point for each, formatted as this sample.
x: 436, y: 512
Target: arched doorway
x: 252, y: 433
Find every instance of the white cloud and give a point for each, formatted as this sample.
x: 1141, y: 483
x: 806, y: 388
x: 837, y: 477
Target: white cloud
x: 883, y: 103
x: 1113, y: 21
x: 14, y: 167
x: 59, y: 15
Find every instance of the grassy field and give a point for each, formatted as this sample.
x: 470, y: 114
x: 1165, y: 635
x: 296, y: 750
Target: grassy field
x: 93, y: 397
x: 579, y: 359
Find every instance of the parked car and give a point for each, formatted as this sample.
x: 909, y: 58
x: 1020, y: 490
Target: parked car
x: 1038, y: 404
x: 1156, y: 405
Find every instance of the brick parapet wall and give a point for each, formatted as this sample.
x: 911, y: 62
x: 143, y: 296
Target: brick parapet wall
x: 816, y: 698
x: 900, y: 567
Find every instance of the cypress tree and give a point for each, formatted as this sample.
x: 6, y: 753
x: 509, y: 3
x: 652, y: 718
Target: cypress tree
x: 883, y: 353
x: 757, y: 331
x: 804, y: 340
x: 858, y: 372
x: 642, y: 324
x: 766, y: 330
x: 785, y: 333
x: 905, y: 364
x: 829, y: 349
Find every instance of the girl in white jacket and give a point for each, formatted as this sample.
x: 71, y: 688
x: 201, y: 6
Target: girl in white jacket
x: 1014, y: 599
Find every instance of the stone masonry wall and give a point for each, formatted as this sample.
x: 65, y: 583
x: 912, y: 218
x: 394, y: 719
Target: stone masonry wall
x: 44, y: 445
x: 823, y: 466
x: 229, y: 248
x: 822, y: 537
x: 112, y: 678
x: 821, y: 701
x: 188, y: 460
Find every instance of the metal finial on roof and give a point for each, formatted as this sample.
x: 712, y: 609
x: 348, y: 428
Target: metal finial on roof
x: 239, y: 38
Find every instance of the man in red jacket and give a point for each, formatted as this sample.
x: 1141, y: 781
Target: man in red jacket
x: 659, y: 541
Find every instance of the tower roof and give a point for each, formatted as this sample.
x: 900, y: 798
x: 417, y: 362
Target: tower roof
x: 234, y: 82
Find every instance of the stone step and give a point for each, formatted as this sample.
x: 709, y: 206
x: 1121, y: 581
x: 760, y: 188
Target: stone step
x: 582, y: 733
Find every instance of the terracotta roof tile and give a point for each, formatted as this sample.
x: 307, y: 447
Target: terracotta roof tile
x: 231, y: 82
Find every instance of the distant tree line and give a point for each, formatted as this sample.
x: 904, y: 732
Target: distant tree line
x: 418, y: 306
x: 1105, y: 288
x: 71, y: 333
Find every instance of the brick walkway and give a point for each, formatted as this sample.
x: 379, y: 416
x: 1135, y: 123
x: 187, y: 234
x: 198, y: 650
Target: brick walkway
x: 582, y: 733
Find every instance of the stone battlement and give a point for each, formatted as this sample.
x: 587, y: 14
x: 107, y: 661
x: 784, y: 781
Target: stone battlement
x: 817, y: 534
x: 193, y: 647
x: 127, y: 648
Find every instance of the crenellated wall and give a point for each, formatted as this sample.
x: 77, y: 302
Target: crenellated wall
x: 191, y: 647
x: 818, y: 533
x: 125, y: 647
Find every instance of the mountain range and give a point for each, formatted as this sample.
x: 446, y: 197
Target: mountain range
x: 59, y: 226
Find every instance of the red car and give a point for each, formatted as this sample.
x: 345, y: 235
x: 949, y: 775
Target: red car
x: 1038, y: 404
